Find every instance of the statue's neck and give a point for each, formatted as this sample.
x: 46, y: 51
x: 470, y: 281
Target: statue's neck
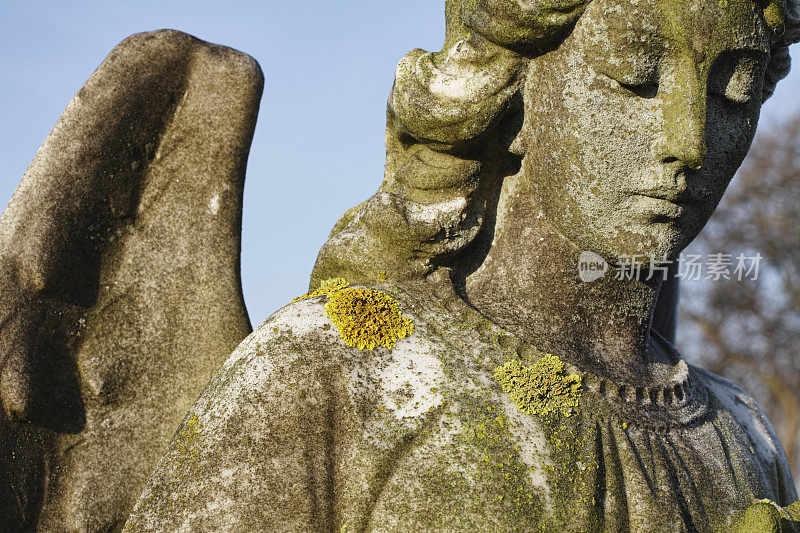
x: 528, y: 283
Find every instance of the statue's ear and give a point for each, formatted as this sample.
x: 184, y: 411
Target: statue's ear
x: 120, y: 288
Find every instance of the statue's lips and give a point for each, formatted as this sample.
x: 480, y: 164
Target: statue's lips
x: 662, y: 205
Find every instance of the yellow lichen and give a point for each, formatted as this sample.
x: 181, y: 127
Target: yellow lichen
x: 543, y: 388
x: 325, y: 287
x: 187, y: 445
x: 766, y: 515
x: 367, y: 318
x: 489, y: 443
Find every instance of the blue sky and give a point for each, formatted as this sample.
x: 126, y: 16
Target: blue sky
x: 318, y: 147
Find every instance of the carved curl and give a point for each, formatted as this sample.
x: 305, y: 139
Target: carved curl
x: 784, y: 19
x: 451, y: 118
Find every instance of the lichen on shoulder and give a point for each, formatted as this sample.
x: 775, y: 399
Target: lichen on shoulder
x: 543, y: 388
x: 364, y: 318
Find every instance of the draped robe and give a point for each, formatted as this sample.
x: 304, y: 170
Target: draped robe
x: 298, y: 432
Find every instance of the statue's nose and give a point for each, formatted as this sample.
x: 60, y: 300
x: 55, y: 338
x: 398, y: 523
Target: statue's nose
x: 683, y: 131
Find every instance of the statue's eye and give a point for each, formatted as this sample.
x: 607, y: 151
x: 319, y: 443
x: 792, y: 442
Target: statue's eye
x: 646, y: 89
x: 635, y: 76
x: 631, y: 83
x: 737, y: 78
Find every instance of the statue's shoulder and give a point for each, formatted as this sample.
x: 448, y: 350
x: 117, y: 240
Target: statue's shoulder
x: 295, y: 343
x: 731, y: 398
x: 741, y: 405
x: 266, y: 416
x: 299, y: 329
x: 274, y: 409
x: 331, y: 333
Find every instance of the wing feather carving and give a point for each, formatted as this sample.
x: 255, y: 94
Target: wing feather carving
x: 120, y: 290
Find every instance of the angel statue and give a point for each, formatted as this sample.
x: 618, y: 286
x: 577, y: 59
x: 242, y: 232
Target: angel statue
x: 448, y: 369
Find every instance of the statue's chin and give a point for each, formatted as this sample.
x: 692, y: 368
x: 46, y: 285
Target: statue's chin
x: 659, y: 241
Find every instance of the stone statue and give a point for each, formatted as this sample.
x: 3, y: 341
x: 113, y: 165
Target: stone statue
x: 112, y: 318
x: 448, y: 369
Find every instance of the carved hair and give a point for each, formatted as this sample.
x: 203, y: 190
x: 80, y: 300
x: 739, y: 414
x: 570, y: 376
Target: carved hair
x: 452, y: 117
x: 784, y: 19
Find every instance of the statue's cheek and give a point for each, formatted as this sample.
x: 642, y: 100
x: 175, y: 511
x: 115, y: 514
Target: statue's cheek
x: 730, y: 130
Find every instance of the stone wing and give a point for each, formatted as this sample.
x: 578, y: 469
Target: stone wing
x: 120, y: 290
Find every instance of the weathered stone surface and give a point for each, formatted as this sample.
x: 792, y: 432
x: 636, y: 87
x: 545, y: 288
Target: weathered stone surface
x: 540, y: 131
x: 119, y: 276
x: 298, y: 432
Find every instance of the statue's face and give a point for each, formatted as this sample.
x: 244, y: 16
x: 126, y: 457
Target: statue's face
x: 637, y: 122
